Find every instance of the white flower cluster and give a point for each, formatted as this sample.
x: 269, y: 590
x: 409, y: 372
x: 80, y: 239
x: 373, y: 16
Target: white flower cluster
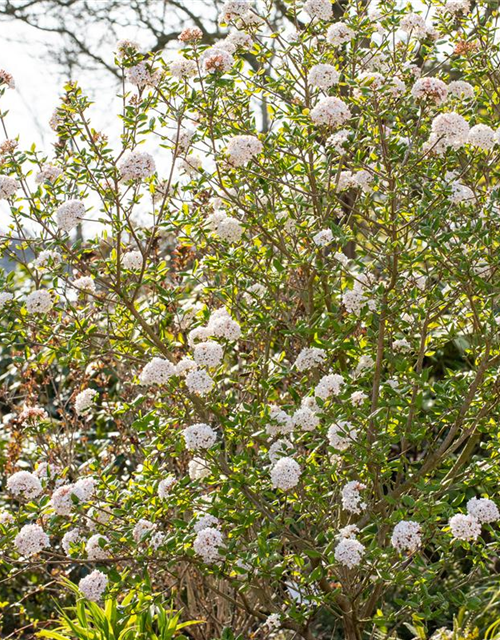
x: 208, y: 354
x: 329, y: 385
x: 356, y: 298
x: 233, y: 9
x: 164, y: 486
x: 323, y: 76
x: 84, y: 400
x: 206, y: 521
x: 339, y: 33
x: 406, y: 536
x: 48, y: 173
x: 94, y: 585
x: 85, y: 283
x: 207, y: 544
x: 142, y: 529
x: 96, y: 547
x: 198, y: 469
x: 217, y: 60
x: 226, y: 227
x: 39, y: 302
x: 341, y: 435
x: 457, y: 6
x: 25, y: 485
x: 5, y: 297
x: 31, y: 539
x: 331, y: 112
x: 349, y: 551
x: 137, y: 166
x: 285, y: 474
x: 320, y: 9
x: 323, y: 238
x: 182, y: 68
x: 46, y: 257
x: 468, y: 527
x: 8, y: 187
x: 430, y: 88
x: 309, y: 358
x: 461, y: 89
x: 69, y: 214
x: 281, y: 423
x: 199, y: 436
x: 71, y: 537
x: 142, y: 75
x: 305, y: 419
x: 482, y: 136
x: 448, y: 130
x: 242, y: 149
x: 65, y: 497
x: 199, y: 382
x: 351, y: 497
x: 132, y: 260
x: 158, y: 371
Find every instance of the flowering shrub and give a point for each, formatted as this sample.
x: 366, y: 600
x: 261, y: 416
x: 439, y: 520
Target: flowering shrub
x: 259, y: 369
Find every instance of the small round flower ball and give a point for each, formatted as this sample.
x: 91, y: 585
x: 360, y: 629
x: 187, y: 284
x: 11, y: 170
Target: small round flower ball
x: 5, y: 297
x: 69, y: 214
x: 305, y: 419
x: 319, y: 9
x: 406, y: 536
x: 217, y: 60
x: 84, y: 400
x: 48, y: 173
x: 184, y: 366
x: 137, y: 166
x: 199, y: 436
x: 285, y: 474
x: 229, y: 229
x: 339, y: 33
x: 331, y: 112
x: 241, y: 149
x: 141, y: 75
x: 464, y: 527
x: 461, y: 89
x: 484, y: 510
x: 199, y: 382
x: 94, y: 585
x: 207, y: 544
x: 208, y: 354
x: 429, y: 88
x: 31, y: 539
x: 85, y: 283
x: 165, y: 486
x: 24, y: 485
x: 157, y: 372
x: 96, y: 547
x: 132, y: 260
x: 482, y: 136
x: 39, y: 302
x: 309, y: 358
x: 199, y: 469
x: 323, y: 76
x: 349, y: 552
x: 71, y: 537
x: 341, y: 435
x: 8, y: 187
x: 182, y: 68
x: 205, y: 521
x: 141, y: 529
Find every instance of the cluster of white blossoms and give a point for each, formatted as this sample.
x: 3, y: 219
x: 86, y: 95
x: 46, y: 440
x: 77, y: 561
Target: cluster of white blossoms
x: 351, y: 497
x: 69, y: 214
x: 331, y: 111
x: 320, y: 9
x: 198, y: 469
x: 406, y: 536
x: 132, y: 260
x: 341, y: 435
x: 482, y: 136
x: 338, y: 34
x: 305, y: 419
x: 233, y: 9
x: 182, y: 68
x: 220, y: 325
x: 448, y: 130
x: 199, y: 436
x: 355, y: 299
x: 70, y: 538
x: 39, y: 301
x: 207, y: 544
x: 31, y: 539
x: 5, y: 297
x: 84, y: 400
x: 242, y: 149
x: 157, y: 372
x: 85, y: 283
x: 329, y: 385
x: 281, y: 423
x: 285, y: 474
x: 97, y: 547
x: 94, y: 585
x: 323, y: 238
x: 142, y: 529
x: 323, y: 76
x: 47, y: 257
x: 217, y: 60
x: 65, y: 498
x: 457, y: 6
x: 226, y: 227
x: 479, y: 511
x: 48, y: 173
x: 349, y: 551
x: 430, y: 88
x: 137, y: 166
x: 8, y: 187
x: 25, y: 485
x: 309, y: 358
x: 164, y: 486
x: 461, y: 194
x: 142, y: 75
x: 199, y: 382
x: 208, y: 354
x: 7, y: 78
